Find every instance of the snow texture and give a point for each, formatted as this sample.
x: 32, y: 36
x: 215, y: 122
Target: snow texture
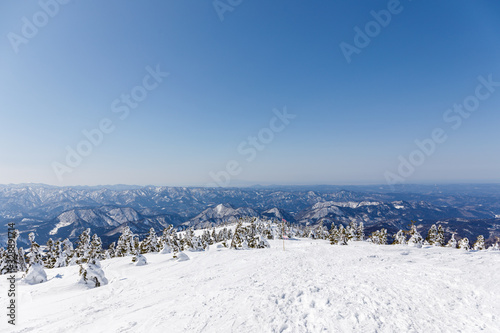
x: 312, y: 286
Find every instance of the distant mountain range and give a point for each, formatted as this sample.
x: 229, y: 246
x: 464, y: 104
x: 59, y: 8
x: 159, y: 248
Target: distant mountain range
x: 61, y: 212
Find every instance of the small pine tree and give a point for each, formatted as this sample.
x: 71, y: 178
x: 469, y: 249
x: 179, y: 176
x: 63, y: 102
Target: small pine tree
x: 464, y: 244
x: 344, y: 235
x: 92, y: 274
x: 150, y: 244
x: 68, y: 254
x: 360, y: 232
x: 238, y: 240
x: 35, y: 255
x: 96, y: 251
x: 36, y: 273
x: 415, y: 237
x: 440, y: 236
x: 22, y: 265
x: 50, y: 255
x: 496, y: 246
x: 479, y: 244
x: 432, y: 235
x: 452, y: 242
x: 82, y: 251
x: 400, y: 238
x: 111, y: 251
x: 125, y: 244
x: 334, y: 234
x: 379, y: 237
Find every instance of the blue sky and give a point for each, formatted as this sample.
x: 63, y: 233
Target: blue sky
x: 353, y: 120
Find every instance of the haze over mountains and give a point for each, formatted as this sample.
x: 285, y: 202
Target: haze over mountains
x: 61, y: 212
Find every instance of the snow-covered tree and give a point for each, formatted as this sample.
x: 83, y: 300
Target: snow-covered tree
x: 360, y: 232
x: 415, y: 237
x: 479, y: 244
x: 139, y: 259
x: 125, y: 244
x: 82, y: 251
x: 452, y: 242
x: 188, y: 240
x: 35, y: 255
x: 36, y: 273
x: 334, y: 234
x: 22, y: 265
x: 432, y: 235
x: 379, y: 237
x: 150, y: 244
x: 68, y: 255
x: 111, y: 251
x: 96, y: 250
x: 50, y: 254
x: 496, y: 246
x: 464, y: 244
x: 440, y: 236
x: 400, y: 238
x: 92, y: 274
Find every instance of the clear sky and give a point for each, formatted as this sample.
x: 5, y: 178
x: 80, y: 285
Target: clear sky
x: 70, y: 67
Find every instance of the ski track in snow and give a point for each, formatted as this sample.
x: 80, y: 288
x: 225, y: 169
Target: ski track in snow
x: 311, y: 287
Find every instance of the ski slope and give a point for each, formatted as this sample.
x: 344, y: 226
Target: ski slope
x: 312, y: 286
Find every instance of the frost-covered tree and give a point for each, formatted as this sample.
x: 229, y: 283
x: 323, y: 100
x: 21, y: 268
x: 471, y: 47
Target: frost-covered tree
x: 379, y: 237
x: 125, y: 244
x: 496, y: 246
x: 68, y: 255
x: 452, y: 242
x: 82, y: 251
x: 50, y: 255
x: 36, y: 273
x: 92, y: 274
x: 96, y: 248
x: 415, y: 237
x: 464, y: 244
x: 400, y: 238
x: 360, y: 232
x: 35, y: 254
x: 343, y: 235
x: 22, y: 265
x: 238, y: 240
x: 432, y: 235
x: 188, y: 240
x: 139, y: 260
x: 150, y: 244
x: 111, y: 251
x: 479, y: 244
x: 440, y: 236
x: 334, y: 234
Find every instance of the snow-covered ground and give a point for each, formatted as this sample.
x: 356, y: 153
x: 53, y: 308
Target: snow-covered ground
x: 312, y: 286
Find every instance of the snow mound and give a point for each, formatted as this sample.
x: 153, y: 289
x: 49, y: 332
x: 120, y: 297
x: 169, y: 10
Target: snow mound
x: 140, y: 260
x: 181, y: 256
x: 36, y: 274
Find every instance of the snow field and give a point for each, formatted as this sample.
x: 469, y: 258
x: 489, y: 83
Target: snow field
x: 312, y: 286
